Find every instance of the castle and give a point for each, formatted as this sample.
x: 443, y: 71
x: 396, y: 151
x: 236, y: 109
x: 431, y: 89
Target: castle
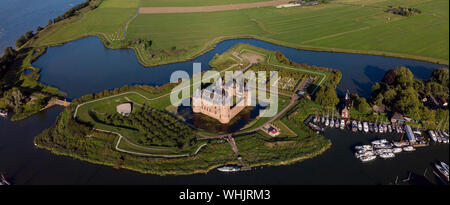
x: 234, y: 97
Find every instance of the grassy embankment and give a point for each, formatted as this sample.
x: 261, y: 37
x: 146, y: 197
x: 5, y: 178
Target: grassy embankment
x: 355, y: 28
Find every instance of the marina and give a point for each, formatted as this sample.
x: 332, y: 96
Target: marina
x: 410, y: 137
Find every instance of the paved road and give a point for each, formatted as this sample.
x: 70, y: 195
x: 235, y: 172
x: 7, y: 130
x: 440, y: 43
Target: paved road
x: 193, y: 9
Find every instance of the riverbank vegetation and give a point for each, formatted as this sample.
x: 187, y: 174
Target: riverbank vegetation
x: 21, y: 93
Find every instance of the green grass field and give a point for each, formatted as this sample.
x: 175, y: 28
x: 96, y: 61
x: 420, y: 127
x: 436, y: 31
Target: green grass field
x: 342, y: 25
x: 181, y: 3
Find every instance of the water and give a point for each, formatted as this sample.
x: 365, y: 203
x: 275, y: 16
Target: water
x: 336, y: 166
x: 20, y: 16
x: 85, y: 66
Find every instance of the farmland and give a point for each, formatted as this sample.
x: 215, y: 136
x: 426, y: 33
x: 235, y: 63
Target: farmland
x: 341, y: 26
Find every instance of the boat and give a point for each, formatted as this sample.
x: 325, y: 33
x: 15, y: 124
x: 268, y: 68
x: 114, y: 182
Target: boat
x: 367, y: 158
x: 366, y: 127
x: 336, y: 123
x: 342, y: 124
x: 359, y: 126
x: 401, y: 144
x: 385, y: 129
x: 354, y: 126
x: 409, y: 148
x: 327, y: 122
x: 3, y: 113
x: 387, y: 155
x: 444, y: 165
x: 371, y: 127
x: 323, y: 119
x: 389, y: 128
x: 229, y: 169
x: 380, y: 128
x: 331, y: 123
x: 397, y: 150
x: 432, y: 135
x: 442, y: 171
x: 3, y: 180
x: 375, y: 127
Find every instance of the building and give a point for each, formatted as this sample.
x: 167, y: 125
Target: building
x: 124, y: 109
x: 397, y: 118
x: 443, y: 102
x: 271, y: 129
x: 380, y: 109
x: 223, y: 106
x: 410, y: 134
x: 345, y: 109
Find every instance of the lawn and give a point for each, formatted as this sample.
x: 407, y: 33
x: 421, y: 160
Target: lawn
x: 342, y: 25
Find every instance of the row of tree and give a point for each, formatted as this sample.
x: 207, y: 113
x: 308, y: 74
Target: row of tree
x: 157, y: 127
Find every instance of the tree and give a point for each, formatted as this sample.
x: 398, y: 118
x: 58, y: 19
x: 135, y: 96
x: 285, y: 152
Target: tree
x: 440, y: 76
x: 362, y: 105
x: 326, y: 97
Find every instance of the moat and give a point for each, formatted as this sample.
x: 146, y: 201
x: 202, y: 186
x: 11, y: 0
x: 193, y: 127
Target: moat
x: 76, y: 68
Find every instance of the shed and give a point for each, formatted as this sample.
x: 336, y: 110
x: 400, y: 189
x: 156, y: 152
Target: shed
x: 410, y: 134
x: 397, y: 117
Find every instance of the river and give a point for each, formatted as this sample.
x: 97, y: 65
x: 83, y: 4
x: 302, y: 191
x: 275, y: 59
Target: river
x: 85, y: 66
x: 20, y: 16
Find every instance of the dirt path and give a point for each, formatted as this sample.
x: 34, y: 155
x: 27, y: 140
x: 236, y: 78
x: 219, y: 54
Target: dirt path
x: 162, y: 10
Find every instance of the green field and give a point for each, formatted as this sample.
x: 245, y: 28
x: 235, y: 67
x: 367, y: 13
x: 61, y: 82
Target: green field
x: 342, y: 25
x: 181, y: 3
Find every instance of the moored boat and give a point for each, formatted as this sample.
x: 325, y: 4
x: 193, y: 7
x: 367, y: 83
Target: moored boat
x: 397, y: 150
x: 367, y: 158
x: 409, y: 148
x: 387, y: 155
x: 3, y: 180
x: 229, y: 169
x: 442, y: 171
x: 444, y: 165
x: 366, y: 127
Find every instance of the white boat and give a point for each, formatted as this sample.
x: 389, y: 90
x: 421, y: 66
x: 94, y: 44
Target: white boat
x: 336, y: 123
x: 367, y: 158
x: 387, y: 155
x: 375, y: 127
x: 380, y: 128
x: 409, y: 148
x: 332, y: 123
x: 432, y: 135
x: 444, y: 165
x: 3, y: 113
x: 342, y: 124
x: 327, y: 122
x: 389, y: 128
x: 354, y: 126
x: 229, y: 169
x: 400, y: 144
x: 442, y: 170
x: 359, y: 126
x: 397, y: 150
x: 385, y: 128
x: 323, y: 119
x: 3, y: 180
x: 366, y: 127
